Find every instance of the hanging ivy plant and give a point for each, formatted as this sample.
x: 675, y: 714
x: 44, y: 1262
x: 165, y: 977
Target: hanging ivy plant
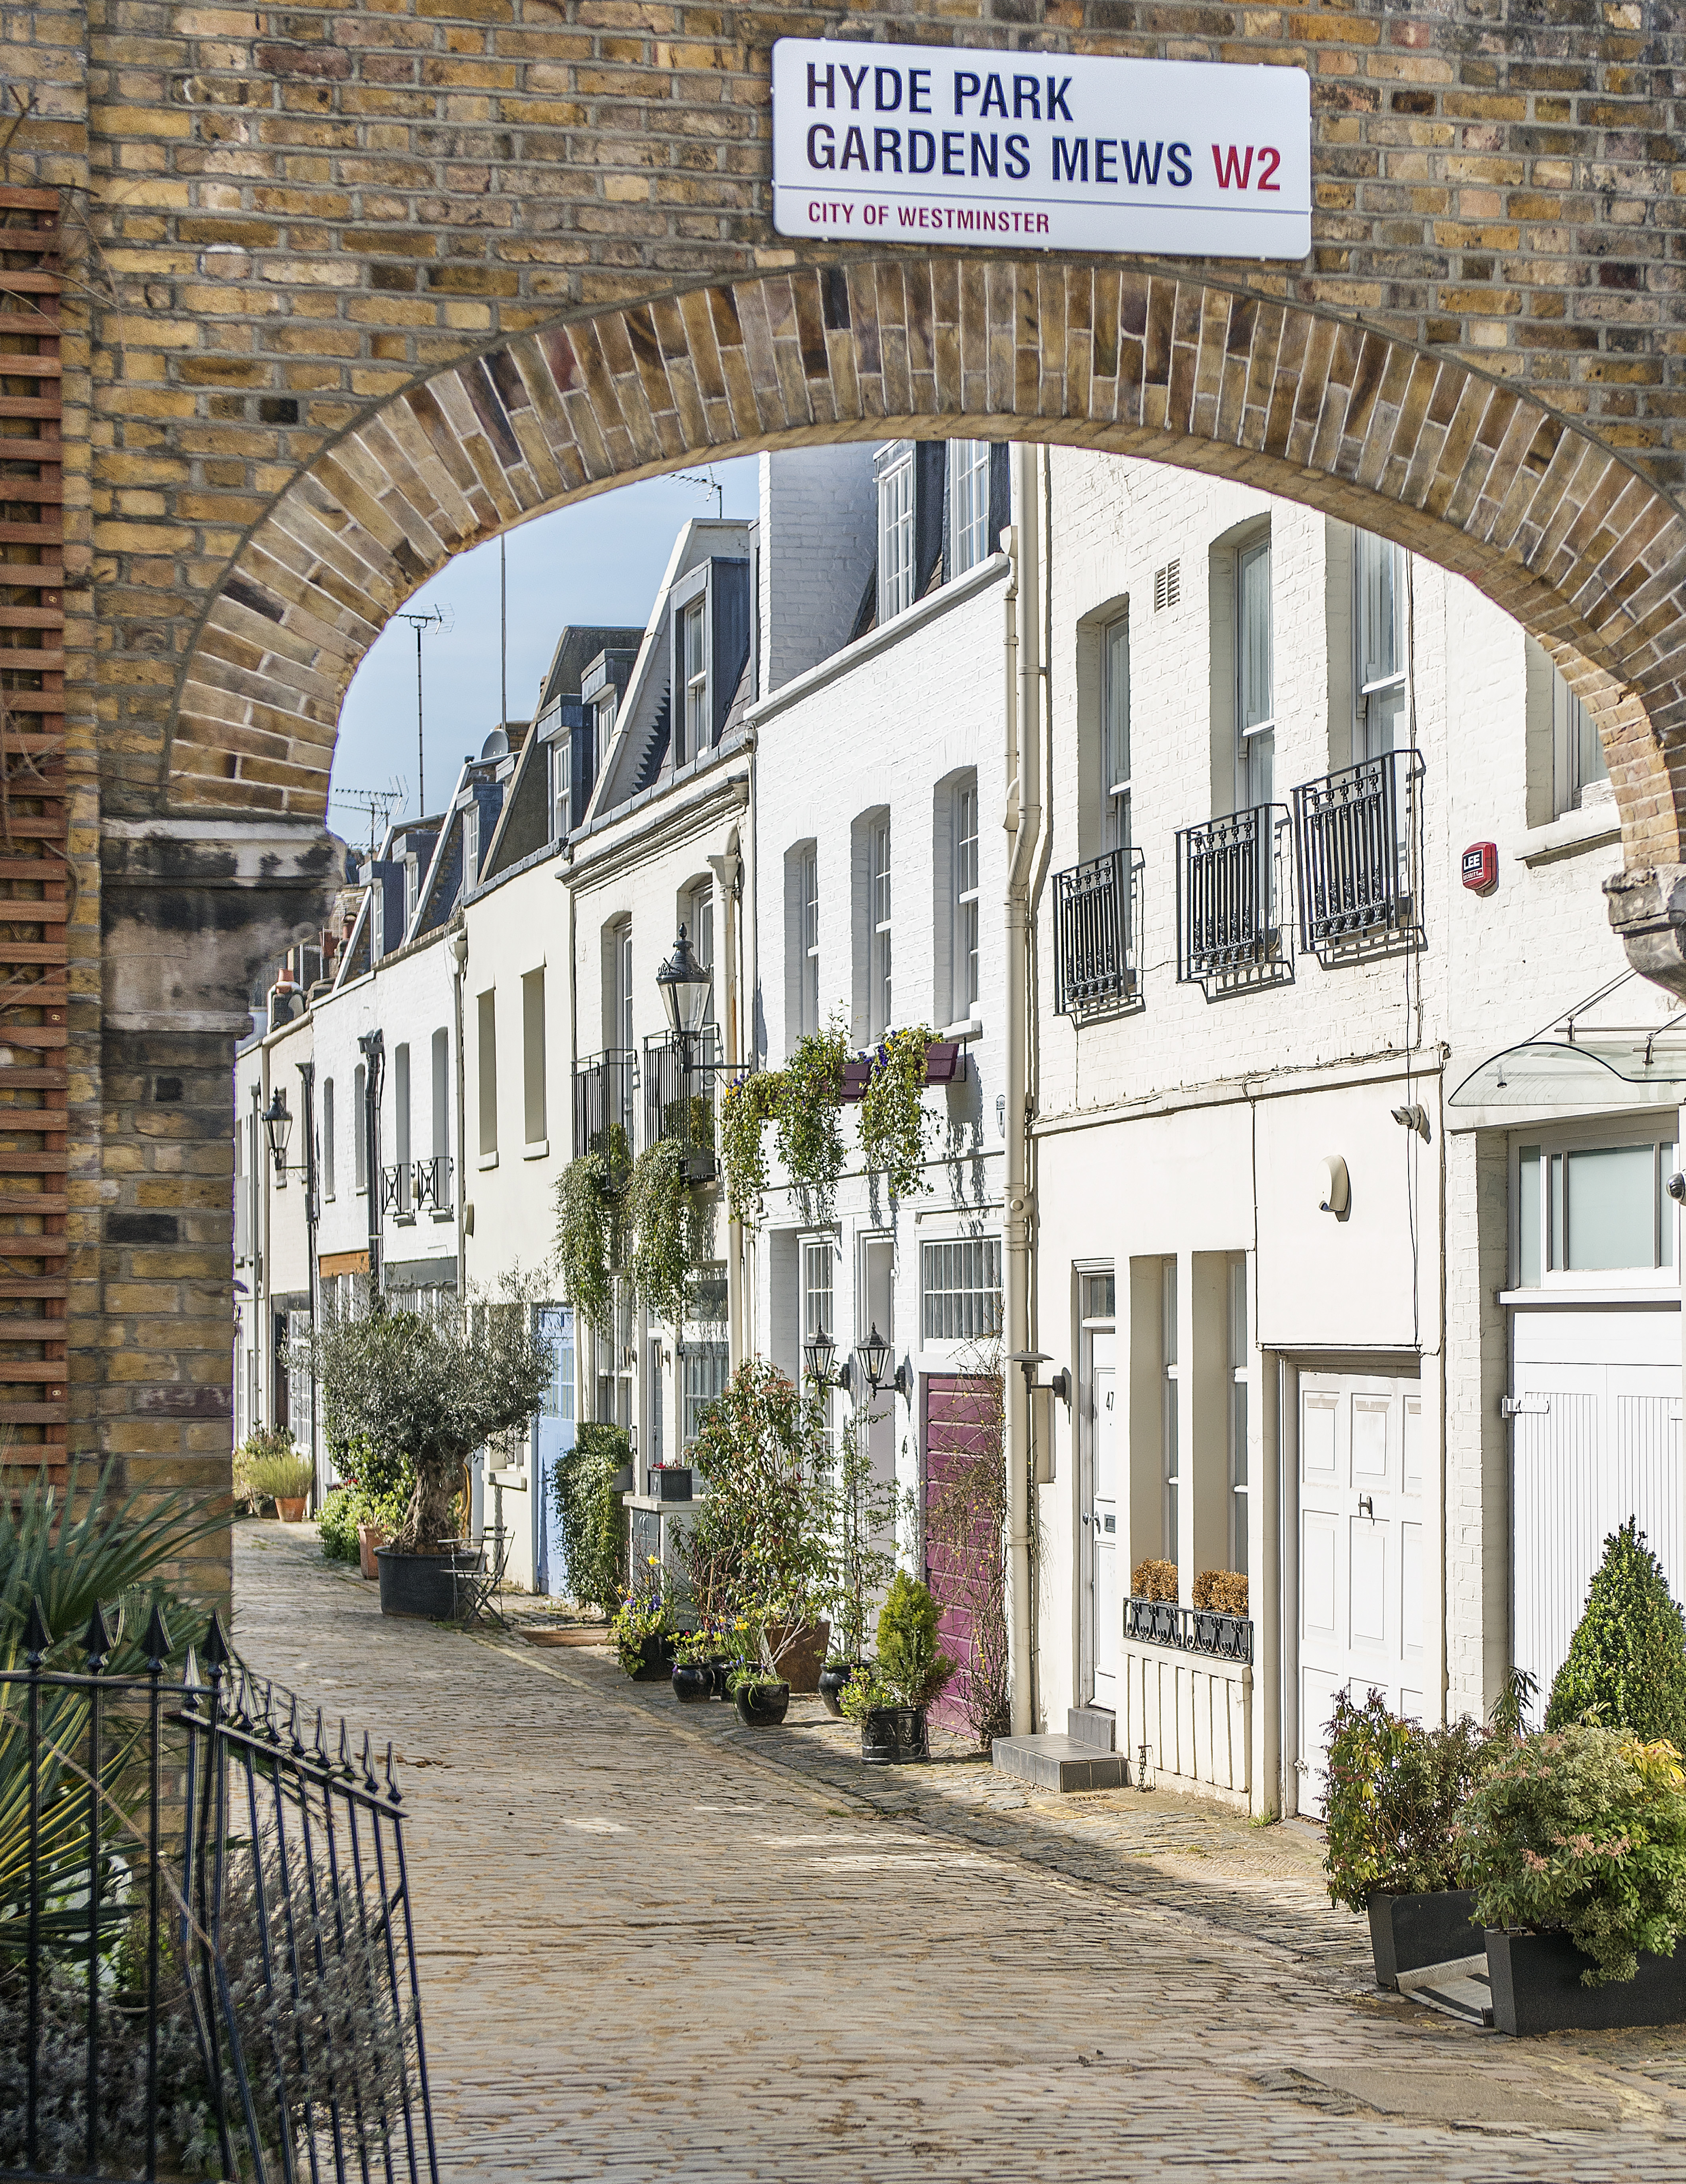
x: 666, y: 1226
x: 585, y: 1233
x: 744, y: 1106
x: 810, y: 1113
x: 894, y: 1126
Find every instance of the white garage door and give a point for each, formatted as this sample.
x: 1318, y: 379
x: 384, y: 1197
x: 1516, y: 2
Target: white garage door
x: 1595, y: 1438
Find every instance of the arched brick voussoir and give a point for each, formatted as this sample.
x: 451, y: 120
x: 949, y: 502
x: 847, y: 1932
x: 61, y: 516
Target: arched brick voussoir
x: 1139, y: 360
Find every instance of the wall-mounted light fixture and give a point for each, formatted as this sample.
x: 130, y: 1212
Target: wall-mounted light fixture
x: 1336, y: 1194
x: 875, y: 1364
x: 277, y: 1127
x: 1413, y: 1118
x: 819, y: 1355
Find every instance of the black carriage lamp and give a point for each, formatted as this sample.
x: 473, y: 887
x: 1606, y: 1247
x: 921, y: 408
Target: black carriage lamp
x: 685, y: 985
x: 277, y: 1125
x: 819, y: 1355
x: 875, y: 1363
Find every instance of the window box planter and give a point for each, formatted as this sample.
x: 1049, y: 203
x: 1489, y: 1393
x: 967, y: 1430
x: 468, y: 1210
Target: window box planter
x: 945, y: 1063
x: 891, y: 1735
x: 1536, y: 1980
x: 762, y: 1706
x: 1408, y: 1932
x: 672, y: 1485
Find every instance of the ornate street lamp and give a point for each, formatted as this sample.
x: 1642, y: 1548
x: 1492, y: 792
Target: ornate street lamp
x: 820, y: 1355
x: 685, y: 985
x: 875, y: 1364
x: 278, y: 1125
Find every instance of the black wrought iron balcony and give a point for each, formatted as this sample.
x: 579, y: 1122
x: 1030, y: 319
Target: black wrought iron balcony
x: 605, y: 1087
x: 680, y: 1077
x: 1232, y: 912
x: 432, y: 1183
x: 397, y: 1197
x: 1358, y: 847
x: 1097, y: 935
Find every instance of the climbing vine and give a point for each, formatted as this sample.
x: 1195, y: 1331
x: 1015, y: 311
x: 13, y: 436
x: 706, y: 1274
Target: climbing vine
x: 666, y: 1226
x: 744, y: 1107
x: 810, y: 1133
x: 894, y: 1126
x: 585, y: 1233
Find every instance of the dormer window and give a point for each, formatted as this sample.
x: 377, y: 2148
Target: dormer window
x: 896, y: 570
x: 968, y: 504
x: 694, y: 640
x: 412, y: 889
x: 471, y: 845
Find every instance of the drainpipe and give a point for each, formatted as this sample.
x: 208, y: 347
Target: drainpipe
x: 457, y: 945
x: 728, y: 871
x: 1023, y: 818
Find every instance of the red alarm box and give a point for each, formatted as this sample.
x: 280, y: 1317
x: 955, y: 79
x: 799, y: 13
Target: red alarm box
x: 1481, y: 867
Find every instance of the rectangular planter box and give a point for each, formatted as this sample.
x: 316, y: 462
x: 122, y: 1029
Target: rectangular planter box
x: 673, y: 1485
x: 1407, y: 1932
x: 1536, y: 1980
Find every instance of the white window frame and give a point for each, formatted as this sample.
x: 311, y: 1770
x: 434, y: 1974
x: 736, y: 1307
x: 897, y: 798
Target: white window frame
x: 693, y: 634
x: 1380, y: 659
x: 1256, y: 740
x: 963, y: 908
x: 808, y: 940
x: 699, y: 920
x: 967, y: 1302
x: 330, y: 1149
x: 561, y: 761
x: 896, y: 539
x: 1661, y: 1131
x: 1173, y: 1417
x: 1577, y: 760
x: 880, y: 986
x: 1240, y: 1379
x: 472, y: 843
x: 1114, y: 732
x: 968, y: 504
x: 360, y: 1098
x: 412, y: 890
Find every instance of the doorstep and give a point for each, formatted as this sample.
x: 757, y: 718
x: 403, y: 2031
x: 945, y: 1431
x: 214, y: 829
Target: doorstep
x: 1063, y: 1763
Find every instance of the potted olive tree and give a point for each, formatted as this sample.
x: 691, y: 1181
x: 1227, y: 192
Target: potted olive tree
x: 436, y: 1388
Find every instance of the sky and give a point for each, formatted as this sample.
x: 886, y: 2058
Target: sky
x: 599, y: 561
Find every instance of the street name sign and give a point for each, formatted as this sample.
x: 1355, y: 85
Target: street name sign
x: 940, y: 144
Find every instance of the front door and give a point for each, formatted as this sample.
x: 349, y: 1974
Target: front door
x: 1362, y: 1621
x: 552, y: 1437
x: 1100, y: 1519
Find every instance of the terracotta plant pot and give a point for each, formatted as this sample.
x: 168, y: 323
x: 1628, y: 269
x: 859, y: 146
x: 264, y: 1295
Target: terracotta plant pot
x: 370, y: 1538
x: 798, y: 1658
x: 290, y: 1508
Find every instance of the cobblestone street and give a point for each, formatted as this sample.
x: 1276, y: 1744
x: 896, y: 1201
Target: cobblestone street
x: 655, y: 1944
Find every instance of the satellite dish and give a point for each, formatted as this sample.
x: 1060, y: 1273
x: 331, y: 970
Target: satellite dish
x: 497, y: 745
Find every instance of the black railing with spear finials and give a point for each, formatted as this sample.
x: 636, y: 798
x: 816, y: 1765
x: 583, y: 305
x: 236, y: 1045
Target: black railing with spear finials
x: 205, y: 1950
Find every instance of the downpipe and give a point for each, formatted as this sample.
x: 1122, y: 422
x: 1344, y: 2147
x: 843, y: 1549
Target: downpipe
x: 1022, y: 820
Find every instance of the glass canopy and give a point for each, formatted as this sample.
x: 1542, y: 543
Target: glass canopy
x: 1635, y: 1068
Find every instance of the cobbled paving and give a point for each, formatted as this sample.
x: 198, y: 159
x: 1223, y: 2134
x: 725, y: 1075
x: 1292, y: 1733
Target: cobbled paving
x: 655, y: 1944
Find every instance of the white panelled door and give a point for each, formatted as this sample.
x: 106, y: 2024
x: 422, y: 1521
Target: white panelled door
x: 1595, y: 1438
x: 1361, y: 1620
x: 1106, y: 1600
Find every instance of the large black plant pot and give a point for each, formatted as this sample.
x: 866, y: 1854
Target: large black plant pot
x: 1536, y: 1980
x: 719, y: 1673
x: 835, y: 1679
x: 691, y: 1681
x: 1407, y: 1932
x: 417, y: 1585
x: 655, y: 1660
x: 762, y: 1706
x: 891, y: 1735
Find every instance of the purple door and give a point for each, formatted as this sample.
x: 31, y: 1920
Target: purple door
x: 962, y: 1428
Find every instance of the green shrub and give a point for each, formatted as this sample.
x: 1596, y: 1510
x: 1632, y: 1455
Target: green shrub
x: 1584, y: 1832
x: 591, y: 1517
x: 1394, y: 1788
x: 337, y: 1520
x: 909, y: 1661
x: 1626, y: 1664
x: 262, y: 1445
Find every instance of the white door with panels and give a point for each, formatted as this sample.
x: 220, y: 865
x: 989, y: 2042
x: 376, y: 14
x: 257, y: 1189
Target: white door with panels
x: 1100, y: 1520
x: 1595, y: 1438
x: 1361, y: 1548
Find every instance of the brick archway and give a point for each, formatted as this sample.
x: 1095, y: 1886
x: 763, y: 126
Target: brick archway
x: 1557, y: 529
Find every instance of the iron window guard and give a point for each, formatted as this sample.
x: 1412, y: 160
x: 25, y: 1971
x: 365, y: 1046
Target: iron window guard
x: 605, y: 1086
x: 1097, y: 935
x: 1190, y: 1630
x: 395, y: 1196
x: 1233, y: 924
x: 431, y: 1182
x: 1358, y: 853
x: 679, y: 1079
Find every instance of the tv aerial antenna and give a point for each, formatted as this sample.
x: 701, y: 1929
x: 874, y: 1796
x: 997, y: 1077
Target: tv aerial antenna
x: 378, y: 803
x: 421, y: 620
x: 709, y: 483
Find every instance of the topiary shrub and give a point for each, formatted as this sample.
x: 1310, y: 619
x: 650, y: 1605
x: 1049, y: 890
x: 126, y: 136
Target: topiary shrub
x: 909, y: 1661
x: 1153, y: 1579
x: 1626, y: 1664
x: 1225, y: 1591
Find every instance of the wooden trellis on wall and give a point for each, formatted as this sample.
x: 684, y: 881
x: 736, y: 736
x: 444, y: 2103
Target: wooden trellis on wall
x: 36, y: 886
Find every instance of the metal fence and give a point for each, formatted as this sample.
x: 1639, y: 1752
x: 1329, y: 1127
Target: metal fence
x: 206, y: 1954
x: 679, y: 1080
x: 604, y: 1088
x: 1357, y: 838
x: 1189, y: 1629
x: 1097, y: 935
